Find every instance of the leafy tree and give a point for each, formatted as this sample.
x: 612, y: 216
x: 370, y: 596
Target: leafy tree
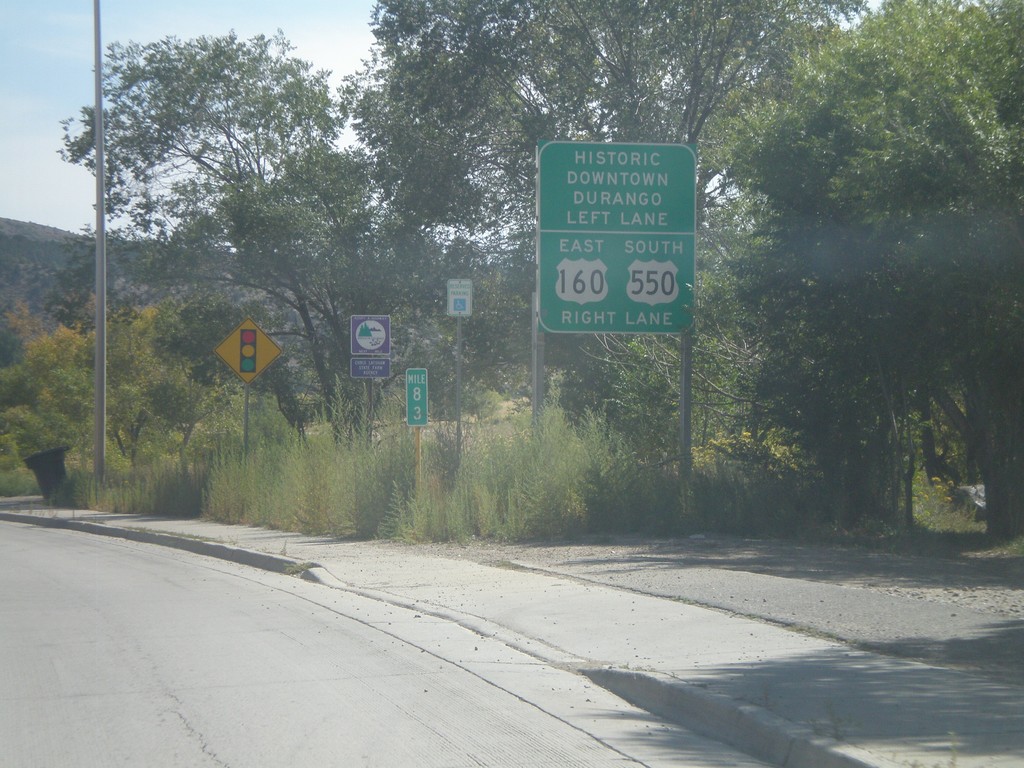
x: 46, y: 399
x: 459, y: 94
x: 225, y: 160
x: 154, y: 401
x: 157, y: 401
x: 893, y: 268
x: 70, y: 298
x: 10, y: 346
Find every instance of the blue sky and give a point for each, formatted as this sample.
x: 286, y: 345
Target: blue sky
x: 46, y: 55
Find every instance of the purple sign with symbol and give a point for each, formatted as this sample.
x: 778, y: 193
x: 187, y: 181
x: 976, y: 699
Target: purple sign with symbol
x: 370, y: 334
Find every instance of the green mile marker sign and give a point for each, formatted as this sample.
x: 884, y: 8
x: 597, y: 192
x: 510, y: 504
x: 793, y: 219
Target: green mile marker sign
x: 616, y: 237
x: 416, y: 397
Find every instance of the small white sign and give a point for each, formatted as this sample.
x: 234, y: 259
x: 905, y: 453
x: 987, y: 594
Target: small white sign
x: 460, y: 298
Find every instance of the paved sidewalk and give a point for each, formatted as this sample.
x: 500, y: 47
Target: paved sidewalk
x: 784, y: 697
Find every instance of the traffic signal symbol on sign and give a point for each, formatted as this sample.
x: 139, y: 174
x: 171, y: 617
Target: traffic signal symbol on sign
x: 247, y: 350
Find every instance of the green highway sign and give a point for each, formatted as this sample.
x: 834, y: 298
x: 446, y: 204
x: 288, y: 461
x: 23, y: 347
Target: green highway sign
x: 616, y: 237
x: 416, y: 397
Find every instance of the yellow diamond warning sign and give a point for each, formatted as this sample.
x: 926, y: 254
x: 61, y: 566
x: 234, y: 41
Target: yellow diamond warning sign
x: 248, y: 350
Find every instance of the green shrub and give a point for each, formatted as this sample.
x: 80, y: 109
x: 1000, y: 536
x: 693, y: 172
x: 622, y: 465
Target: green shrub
x: 247, y: 489
x: 936, y: 508
x: 529, y: 483
x: 383, y: 479
x: 744, y: 487
x: 77, y: 490
x: 17, y: 482
x: 484, y: 404
x: 621, y: 494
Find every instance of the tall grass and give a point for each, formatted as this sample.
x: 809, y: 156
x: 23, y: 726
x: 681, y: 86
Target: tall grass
x: 514, y: 481
x: 544, y: 480
x: 164, y: 489
x: 316, y: 485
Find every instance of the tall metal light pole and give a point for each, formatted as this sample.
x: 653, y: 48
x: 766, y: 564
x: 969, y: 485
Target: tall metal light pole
x: 100, y: 377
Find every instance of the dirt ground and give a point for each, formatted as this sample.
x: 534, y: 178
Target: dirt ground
x: 990, y: 583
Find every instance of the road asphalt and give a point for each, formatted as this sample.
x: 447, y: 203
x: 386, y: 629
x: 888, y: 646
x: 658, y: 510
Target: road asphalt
x: 790, y: 698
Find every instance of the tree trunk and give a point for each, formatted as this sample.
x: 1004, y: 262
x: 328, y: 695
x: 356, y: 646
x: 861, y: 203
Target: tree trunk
x: 316, y: 347
x: 997, y: 419
x: 1004, y: 496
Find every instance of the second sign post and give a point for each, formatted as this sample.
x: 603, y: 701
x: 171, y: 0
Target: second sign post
x: 416, y: 399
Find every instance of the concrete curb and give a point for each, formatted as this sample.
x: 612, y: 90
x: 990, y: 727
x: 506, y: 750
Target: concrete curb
x: 261, y: 560
x: 531, y: 646
x: 749, y: 728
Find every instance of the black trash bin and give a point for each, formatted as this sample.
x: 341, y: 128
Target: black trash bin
x: 48, y: 467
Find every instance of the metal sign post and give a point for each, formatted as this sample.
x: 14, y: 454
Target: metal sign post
x: 419, y: 454
x: 100, y: 351
x: 537, y: 362
x: 458, y: 389
x: 416, y: 408
x: 370, y: 346
x: 460, y: 304
x: 245, y: 421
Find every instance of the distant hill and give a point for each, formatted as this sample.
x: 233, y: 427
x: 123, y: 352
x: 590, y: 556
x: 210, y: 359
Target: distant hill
x: 33, y: 232
x: 30, y: 256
